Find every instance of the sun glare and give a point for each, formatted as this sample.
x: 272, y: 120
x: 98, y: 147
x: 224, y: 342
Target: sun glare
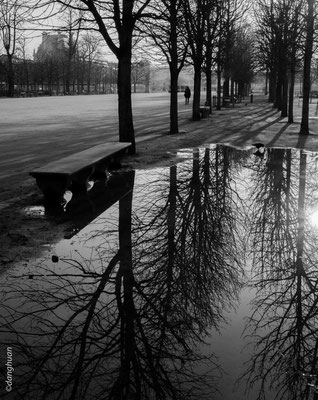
x: 313, y: 219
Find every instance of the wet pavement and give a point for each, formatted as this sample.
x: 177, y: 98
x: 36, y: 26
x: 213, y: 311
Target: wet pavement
x: 194, y: 281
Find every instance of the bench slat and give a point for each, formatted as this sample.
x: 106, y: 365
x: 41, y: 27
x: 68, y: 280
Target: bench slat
x: 74, y: 163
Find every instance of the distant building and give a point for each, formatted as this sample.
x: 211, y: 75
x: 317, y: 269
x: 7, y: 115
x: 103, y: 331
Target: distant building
x: 52, y: 46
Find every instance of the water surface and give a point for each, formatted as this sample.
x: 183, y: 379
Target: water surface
x: 197, y: 282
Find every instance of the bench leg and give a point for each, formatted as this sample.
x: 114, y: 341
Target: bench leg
x: 100, y: 173
x: 80, y: 180
x: 53, y: 189
x: 115, y: 163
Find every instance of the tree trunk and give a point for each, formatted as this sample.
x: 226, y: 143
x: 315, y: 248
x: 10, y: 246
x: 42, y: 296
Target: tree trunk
x: 125, y: 289
x: 174, y: 72
x: 278, y: 97
x: 226, y: 88
x: 89, y: 79
x: 171, y: 221
x: 293, y: 66
x: 126, y: 127
x: 291, y: 95
x: 304, y: 128
x: 68, y: 75
x: 266, y: 84
x: 272, y: 87
x: 219, y: 71
x: 284, y: 112
x: 196, y: 92
x: 232, y: 91
x: 147, y: 81
x: 10, y: 74
x: 174, y: 126
x: 208, y: 74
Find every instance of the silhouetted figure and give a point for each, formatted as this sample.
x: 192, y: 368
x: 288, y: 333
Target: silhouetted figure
x: 187, y: 94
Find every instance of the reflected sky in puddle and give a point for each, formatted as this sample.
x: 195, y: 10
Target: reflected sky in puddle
x: 150, y: 301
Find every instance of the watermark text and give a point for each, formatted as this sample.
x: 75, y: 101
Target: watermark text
x: 10, y: 369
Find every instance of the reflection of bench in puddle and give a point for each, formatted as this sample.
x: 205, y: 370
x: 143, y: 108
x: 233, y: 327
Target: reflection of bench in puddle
x: 86, y: 206
x: 73, y: 172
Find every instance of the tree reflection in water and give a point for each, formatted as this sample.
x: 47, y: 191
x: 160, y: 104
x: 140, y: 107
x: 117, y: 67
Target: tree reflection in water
x: 127, y: 323
x: 130, y: 320
x: 284, y: 250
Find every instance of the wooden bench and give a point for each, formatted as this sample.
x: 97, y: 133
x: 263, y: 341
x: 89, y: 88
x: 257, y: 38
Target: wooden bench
x: 73, y: 172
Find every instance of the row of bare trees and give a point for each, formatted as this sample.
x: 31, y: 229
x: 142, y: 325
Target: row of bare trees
x: 208, y: 34
x: 64, y: 66
x: 53, y: 75
x: 286, y: 39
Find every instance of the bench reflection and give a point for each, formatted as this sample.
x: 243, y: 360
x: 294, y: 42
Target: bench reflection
x: 85, y: 206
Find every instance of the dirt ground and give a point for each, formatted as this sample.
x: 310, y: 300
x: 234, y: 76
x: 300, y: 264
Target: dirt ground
x: 26, y: 232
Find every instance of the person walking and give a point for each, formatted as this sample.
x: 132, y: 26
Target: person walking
x: 187, y: 94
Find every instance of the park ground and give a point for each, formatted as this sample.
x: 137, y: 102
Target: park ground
x: 36, y: 131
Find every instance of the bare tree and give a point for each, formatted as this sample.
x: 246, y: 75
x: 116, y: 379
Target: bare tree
x: 140, y: 74
x: 310, y: 29
x: 166, y: 29
x: 115, y: 20
x: 196, y: 15
x: 230, y: 16
x: 212, y: 34
x: 89, y: 52
x: 12, y: 15
x: 280, y: 35
x: 73, y: 32
x: 243, y: 61
x: 23, y: 70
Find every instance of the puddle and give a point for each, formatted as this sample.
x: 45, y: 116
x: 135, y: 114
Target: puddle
x: 196, y: 281
x: 34, y: 211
